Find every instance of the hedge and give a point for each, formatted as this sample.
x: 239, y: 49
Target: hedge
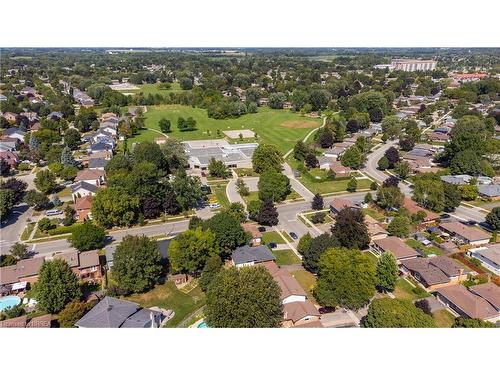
x: 63, y: 230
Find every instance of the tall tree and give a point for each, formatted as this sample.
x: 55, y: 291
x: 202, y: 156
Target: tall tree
x: 387, y: 271
x: 212, y: 267
x: 67, y: 158
x: 350, y: 229
x: 273, y: 186
x: 45, y: 181
x: 114, y: 207
x: 87, y: 236
x: 268, y: 215
x: 317, y: 246
x: 227, y: 230
x: 399, y: 226
x: 243, y: 298
x: 300, y: 151
x: 392, y: 155
x: 493, y: 218
x: 396, y: 313
x: 267, y: 157
x: 317, y: 202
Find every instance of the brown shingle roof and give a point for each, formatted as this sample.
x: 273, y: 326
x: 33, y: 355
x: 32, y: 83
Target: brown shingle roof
x: 89, y: 258
x: 19, y: 322
x: 469, y: 233
x: 435, y: 270
x: 71, y: 258
x: 84, y: 203
x: 43, y: 321
x: 295, y: 311
x: 490, y: 292
x: 89, y: 174
x: 23, y: 268
x: 252, y: 229
x: 339, y: 203
x: 413, y: 208
x: 470, y: 304
x: 397, y: 247
x: 288, y: 284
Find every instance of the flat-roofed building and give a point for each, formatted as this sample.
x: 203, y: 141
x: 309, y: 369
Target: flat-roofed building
x: 412, y: 65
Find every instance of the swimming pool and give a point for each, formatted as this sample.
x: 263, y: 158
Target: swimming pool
x: 202, y: 325
x: 8, y: 302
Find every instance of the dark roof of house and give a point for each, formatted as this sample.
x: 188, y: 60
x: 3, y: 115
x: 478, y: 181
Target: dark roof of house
x: 339, y: 203
x: 108, y: 313
x: 97, y: 163
x: 10, y: 131
x: 468, y: 232
x: 435, y: 270
x: 141, y: 319
x: 489, y: 190
x: 84, y: 185
x: 247, y: 254
x: 489, y: 291
x: 471, y: 304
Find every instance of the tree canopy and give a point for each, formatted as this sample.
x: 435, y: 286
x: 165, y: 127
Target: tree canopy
x: 396, y: 313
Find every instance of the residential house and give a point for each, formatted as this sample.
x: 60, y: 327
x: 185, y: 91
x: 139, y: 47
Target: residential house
x: 8, y: 143
x: 10, y: 117
x: 86, y: 264
x: 249, y: 256
x: 82, y: 207
x: 14, y: 133
x: 438, y: 137
x: 23, y: 270
x: 467, y: 304
x: 465, y: 234
x: 55, y: 116
x: 98, y: 147
x: 490, y: 292
x: 396, y: 246
x: 489, y: 256
x: 375, y: 230
x: 489, y: 191
x: 334, y: 152
x: 413, y: 208
x: 339, y: 170
x: 115, y: 313
x: 339, y: 204
x: 435, y: 272
x: 253, y: 229
x: 82, y: 189
x: 97, y: 163
x: 106, y: 155
x: 10, y: 158
x: 91, y: 176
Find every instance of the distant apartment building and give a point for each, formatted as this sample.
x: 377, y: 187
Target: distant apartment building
x: 411, y: 65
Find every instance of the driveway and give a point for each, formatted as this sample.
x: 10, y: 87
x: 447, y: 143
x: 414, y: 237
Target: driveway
x: 13, y: 227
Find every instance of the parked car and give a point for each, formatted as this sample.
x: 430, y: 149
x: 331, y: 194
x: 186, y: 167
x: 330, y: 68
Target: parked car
x: 53, y: 212
x: 214, y: 205
x: 326, y: 310
x: 261, y: 229
x: 272, y: 245
x: 445, y: 216
x: 294, y: 235
x: 471, y: 222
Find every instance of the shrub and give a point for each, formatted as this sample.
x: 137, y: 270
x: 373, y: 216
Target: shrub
x: 318, y: 217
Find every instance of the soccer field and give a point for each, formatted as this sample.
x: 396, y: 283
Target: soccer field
x: 280, y: 127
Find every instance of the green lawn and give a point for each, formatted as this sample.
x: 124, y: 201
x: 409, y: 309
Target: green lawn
x: 269, y: 237
x: 254, y: 196
x: 219, y: 195
x: 328, y: 218
x: 144, y: 135
x: 371, y: 256
x: 405, y: 291
x: 285, y: 257
x: 443, y: 318
x: 168, y: 296
x: 246, y: 172
x: 307, y: 281
x: 374, y: 214
x: 280, y: 127
x: 334, y: 186
x: 27, y: 231
x: 39, y: 233
x: 427, y: 250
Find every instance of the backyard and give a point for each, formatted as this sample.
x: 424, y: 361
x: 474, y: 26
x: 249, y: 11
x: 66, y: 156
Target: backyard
x: 270, y: 237
x: 427, y: 250
x: 404, y: 290
x: 285, y: 257
x: 280, y: 127
x: 307, y: 281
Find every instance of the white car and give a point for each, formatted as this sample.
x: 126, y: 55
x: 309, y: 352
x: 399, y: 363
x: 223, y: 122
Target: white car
x: 214, y: 205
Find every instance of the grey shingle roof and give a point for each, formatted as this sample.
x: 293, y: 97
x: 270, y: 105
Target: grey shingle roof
x: 489, y: 190
x: 247, y: 254
x: 108, y: 313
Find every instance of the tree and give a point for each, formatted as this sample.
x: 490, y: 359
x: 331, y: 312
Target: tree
x: 187, y: 190
x: 468, y: 192
x: 428, y: 191
x: 19, y: 250
x: 67, y: 158
x: 392, y: 155
x: 311, y: 161
x: 312, y: 253
x: 326, y: 138
x: 175, y: 153
x: 273, y: 186
x: 4, y: 167
x: 403, y: 169
x: 352, y: 126
x: 406, y: 143
x: 383, y: 163
x: 352, y: 185
x: 466, y: 162
x: 36, y: 199
x: 118, y: 164
x: 399, y: 226
x: 387, y: 271
x: 304, y: 243
x: 217, y: 168
x: 389, y: 197
x: 137, y: 264
x: 276, y: 100
x: 391, y: 126
x: 150, y: 152
x: 254, y: 207
x: 472, y: 323
x: 72, y: 313
x: 57, y: 285
x: 188, y: 124
x: 368, y: 198
x: 87, y: 236
x: 17, y: 187
x: 72, y: 138
x: 45, y: 181
x: 237, y: 210
x: 45, y: 224
x: 300, y: 151
x: 228, y: 232
x: 212, y: 267
x: 347, y: 278
x: 317, y: 202
x: 396, y: 313
x: 493, y: 218
x: 352, y: 157
x: 115, y: 207
x: 165, y: 125
x: 268, y: 215
x: 350, y: 229
x: 190, y: 250
x: 267, y: 157
x: 245, y: 297
x: 243, y: 189
x: 69, y: 216
x: 6, y: 202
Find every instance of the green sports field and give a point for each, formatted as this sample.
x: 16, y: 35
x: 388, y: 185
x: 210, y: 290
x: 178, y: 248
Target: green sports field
x: 153, y: 88
x: 280, y: 127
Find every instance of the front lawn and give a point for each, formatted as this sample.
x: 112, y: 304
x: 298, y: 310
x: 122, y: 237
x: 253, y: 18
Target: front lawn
x: 273, y: 236
x: 286, y: 257
x: 328, y: 218
x: 220, y: 193
x: 253, y: 196
x: 333, y: 186
x: 374, y: 214
x: 404, y: 290
x: 443, y: 318
x: 246, y: 172
x: 167, y: 296
x: 307, y: 281
x: 27, y: 231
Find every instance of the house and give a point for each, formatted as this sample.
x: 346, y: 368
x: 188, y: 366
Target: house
x: 375, y: 230
x: 489, y: 191
x: 14, y: 133
x: 106, y: 155
x: 339, y: 170
x: 115, y: 313
x: 435, y: 272
x: 339, y: 204
x: 86, y: 264
x: 465, y: 234
x: 55, y: 116
x: 81, y: 189
x: 82, y: 207
x: 109, y: 117
x: 98, y: 147
x: 413, y: 208
x: 325, y: 162
x: 459, y: 179
x: 10, y: 158
x: 94, y: 177
x: 490, y: 292
x: 438, y: 137
x: 334, y: 152
x: 467, y: 304
x: 489, y: 256
x: 299, y: 313
x: 396, y: 246
x: 97, y: 163
x: 253, y: 229
x: 23, y: 270
x: 248, y: 256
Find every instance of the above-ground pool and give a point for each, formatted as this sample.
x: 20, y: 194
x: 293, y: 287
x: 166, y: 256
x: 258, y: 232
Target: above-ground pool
x: 8, y: 302
x: 202, y: 325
